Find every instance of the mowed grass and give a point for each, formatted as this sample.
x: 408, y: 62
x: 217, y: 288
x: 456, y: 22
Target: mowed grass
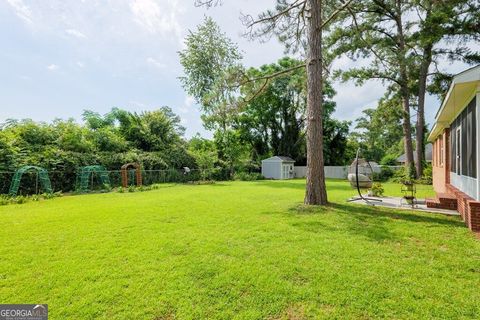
x: 245, y: 250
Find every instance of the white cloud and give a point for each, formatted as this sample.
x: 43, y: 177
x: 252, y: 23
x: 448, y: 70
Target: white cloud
x: 352, y: 99
x: 156, y: 63
x: 53, y: 67
x: 75, y: 33
x: 80, y: 64
x: 138, y: 105
x: 187, y: 104
x: 22, y: 10
x: 156, y: 19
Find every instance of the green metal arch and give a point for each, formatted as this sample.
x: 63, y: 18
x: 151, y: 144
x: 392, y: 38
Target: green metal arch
x: 42, y: 175
x: 85, y: 173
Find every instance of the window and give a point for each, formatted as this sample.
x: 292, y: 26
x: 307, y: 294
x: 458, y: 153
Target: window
x: 441, y: 151
x: 463, y: 142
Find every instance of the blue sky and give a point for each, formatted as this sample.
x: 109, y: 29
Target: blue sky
x: 61, y: 57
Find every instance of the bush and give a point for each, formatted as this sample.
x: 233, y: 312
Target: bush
x: 384, y: 175
x: 19, y: 200
x: 377, y: 189
x: 4, y: 201
x: 389, y: 160
x: 427, y: 175
x: 401, y: 175
x: 245, y: 176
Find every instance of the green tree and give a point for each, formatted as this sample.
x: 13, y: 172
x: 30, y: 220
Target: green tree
x: 205, y: 154
x: 378, y: 131
x: 157, y: 130
x: 300, y: 26
x: 273, y: 122
x: 209, y: 60
x: 444, y: 28
x: 380, y: 32
x: 401, y: 41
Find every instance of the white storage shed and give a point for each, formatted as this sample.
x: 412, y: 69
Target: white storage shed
x: 278, y: 167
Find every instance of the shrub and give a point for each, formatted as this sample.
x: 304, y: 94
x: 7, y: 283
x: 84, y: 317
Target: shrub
x: 48, y: 195
x: 19, y: 200
x: 4, y: 201
x: 377, y: 189
x: 389, y: 160
x: 427, y: 175
x: 385, y: 174
x: 245, y: 176
x: 400, y: 175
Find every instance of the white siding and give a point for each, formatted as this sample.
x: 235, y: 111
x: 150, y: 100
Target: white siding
x: 465, y: 184
x: 271, y: 169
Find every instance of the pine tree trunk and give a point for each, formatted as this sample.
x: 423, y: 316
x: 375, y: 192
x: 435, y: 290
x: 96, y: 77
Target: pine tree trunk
x: 404, y: 90
x: 316, y: 193
x: 407, y: 132
x: 420, y: 126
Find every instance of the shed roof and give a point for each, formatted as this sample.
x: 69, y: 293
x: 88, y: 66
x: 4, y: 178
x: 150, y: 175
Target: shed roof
x: 279, y: 159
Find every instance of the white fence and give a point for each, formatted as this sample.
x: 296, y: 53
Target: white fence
x: 335, y: 172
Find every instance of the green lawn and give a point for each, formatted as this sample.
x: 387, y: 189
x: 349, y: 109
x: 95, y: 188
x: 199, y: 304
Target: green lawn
x: 245, y: 250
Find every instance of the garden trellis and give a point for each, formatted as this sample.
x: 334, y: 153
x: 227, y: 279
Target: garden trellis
x: 138, y: 174
x: 41, y: 177
x: 85, y: 177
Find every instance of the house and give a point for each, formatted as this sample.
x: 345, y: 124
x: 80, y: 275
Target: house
x: 278, y: 167
x: 456, y: 157
x: 428, y: 155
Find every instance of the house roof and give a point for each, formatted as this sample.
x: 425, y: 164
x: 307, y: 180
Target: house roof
x: 428, y: 154
x: 460, y: 93
x: 279, y: 159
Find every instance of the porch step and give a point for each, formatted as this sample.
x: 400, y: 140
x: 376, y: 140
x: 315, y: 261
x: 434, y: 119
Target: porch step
x: 432, y: 203
x: 447, y: 201
x: 442, y: 201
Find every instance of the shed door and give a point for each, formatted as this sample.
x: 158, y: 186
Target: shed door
x: 284, y: 171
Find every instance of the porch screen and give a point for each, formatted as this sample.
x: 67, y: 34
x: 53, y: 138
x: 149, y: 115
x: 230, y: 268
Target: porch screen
x: 466, y: 122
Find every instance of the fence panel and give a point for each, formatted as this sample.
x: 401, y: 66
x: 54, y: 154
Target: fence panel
x: 336, y: 172
x: 67, y: 181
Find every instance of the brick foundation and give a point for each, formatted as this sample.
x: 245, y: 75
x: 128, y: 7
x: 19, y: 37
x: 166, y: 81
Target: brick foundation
x: 468, y: 208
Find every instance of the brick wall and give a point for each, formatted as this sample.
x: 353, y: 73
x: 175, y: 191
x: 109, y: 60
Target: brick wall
x: 441, y: 162
x: 468, y: 208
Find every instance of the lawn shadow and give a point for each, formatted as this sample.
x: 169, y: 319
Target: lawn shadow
x: 205, y: 183
x: 300, y: 184
x: 374, y: 223
x: 280, y: 184
x: 392, y: 213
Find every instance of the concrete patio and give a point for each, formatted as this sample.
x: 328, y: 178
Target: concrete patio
x: 400, y: 203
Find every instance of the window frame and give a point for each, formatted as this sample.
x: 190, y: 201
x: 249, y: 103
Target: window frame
x: 458, y: 150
